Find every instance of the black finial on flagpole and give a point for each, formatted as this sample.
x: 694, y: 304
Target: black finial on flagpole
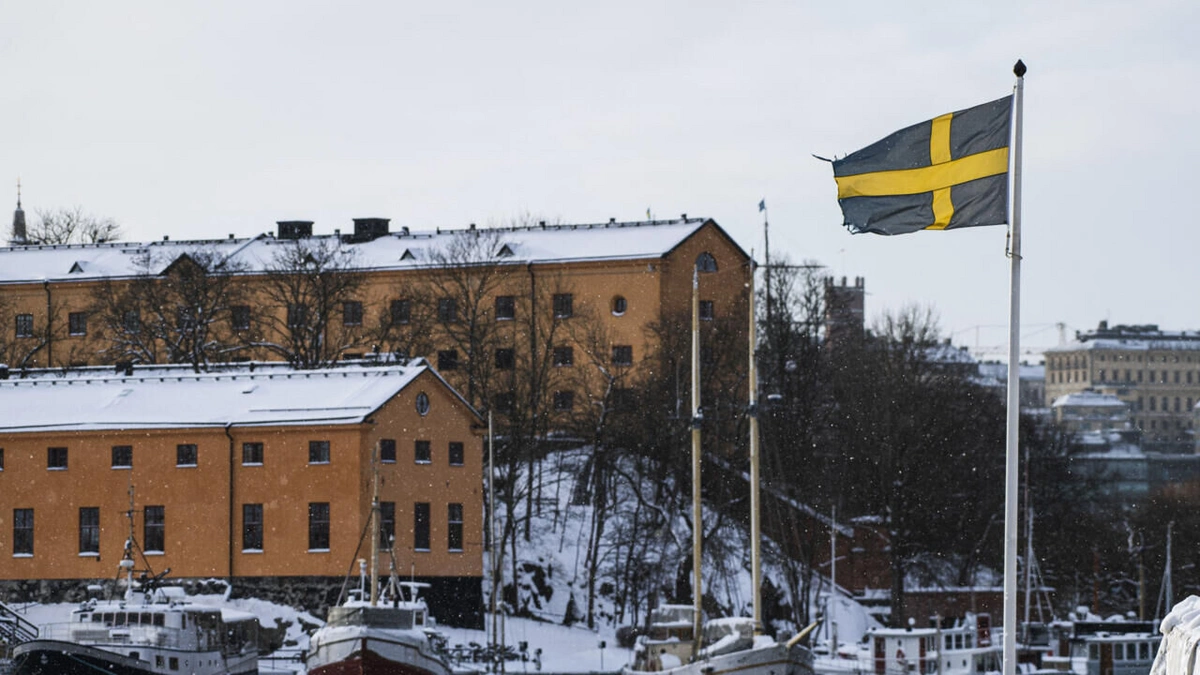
x: 1019, y: 69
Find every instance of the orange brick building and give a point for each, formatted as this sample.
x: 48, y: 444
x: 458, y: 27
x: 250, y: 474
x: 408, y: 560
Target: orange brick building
x: 246, y: 474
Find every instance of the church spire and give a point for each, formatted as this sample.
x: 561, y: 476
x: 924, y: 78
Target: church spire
x: 19, y: 236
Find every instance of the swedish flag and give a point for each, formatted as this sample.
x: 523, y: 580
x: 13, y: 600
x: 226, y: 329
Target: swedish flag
x: 942, y: 174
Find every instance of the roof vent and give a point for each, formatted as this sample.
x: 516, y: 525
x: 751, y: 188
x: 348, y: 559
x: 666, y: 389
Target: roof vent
x: 369, y: 229
x: 612, y: 220
x: 683, y: 216
x: 294, y: 229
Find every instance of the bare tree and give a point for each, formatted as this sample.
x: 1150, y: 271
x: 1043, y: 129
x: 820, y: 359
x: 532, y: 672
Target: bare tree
x: 314, y: 315
x: 31, y: 339
x: 71, y: 226
x: 183, y: 313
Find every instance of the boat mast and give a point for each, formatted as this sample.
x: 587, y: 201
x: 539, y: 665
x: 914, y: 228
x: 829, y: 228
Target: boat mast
x: 697, y: 524
x: 374, y: 527
x: 755, y: 524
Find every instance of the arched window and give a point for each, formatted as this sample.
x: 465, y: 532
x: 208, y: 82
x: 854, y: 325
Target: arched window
x: 706, y: 263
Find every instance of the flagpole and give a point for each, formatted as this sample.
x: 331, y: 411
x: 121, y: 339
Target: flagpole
x: 1014, y: 392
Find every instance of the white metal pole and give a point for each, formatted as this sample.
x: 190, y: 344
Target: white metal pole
x: 697, y: 520
x: 1014, y: 393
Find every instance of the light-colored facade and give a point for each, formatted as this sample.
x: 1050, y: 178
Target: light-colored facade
x: 1156, y: 373
x: 1091, y: 411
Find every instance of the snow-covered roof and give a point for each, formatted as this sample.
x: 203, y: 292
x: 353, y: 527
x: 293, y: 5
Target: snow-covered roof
x: 167, y: 398
x: 1130, y: 344
x: 397, y: 250
x: 1025, y: 371
x: 1090, y: 399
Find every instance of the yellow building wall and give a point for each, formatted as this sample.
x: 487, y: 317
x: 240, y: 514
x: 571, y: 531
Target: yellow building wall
x: 202, y: 501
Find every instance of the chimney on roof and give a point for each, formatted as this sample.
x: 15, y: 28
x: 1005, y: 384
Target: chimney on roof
x: 370, y: 229
x: 472, y: 226
x: 404, y: 230
x: 612, y: 220
x: 166, y: 238
x: 683, y: 216
x: 231, y: 235
x: 294, y: 229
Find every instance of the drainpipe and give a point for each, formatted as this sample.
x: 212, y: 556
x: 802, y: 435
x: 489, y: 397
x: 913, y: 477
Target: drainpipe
x: 49, y: 331
x: 231, y: 528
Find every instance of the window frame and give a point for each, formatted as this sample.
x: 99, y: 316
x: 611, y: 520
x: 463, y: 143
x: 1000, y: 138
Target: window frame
x: 239, y: 317
x: 252, y: 528
x: 352, y: 313
x: 154, y: 531
x: 77, y: 324
x: 506, y: 307
x: 506, y: 358
x: 454, y: 527
x: 422, y: 447
x: 564, y: 400
x: 319, y: 452
x: 24, y: 326
x: 387, y: 525
x: 563, y: 356
x: 422, y: 527
x: 57, y: 458
x: 400, y: 311
x: 706, y: 311
x: 122, y: 456
x: 563, y: 305
x: 447, y: 310
x: 318, y: 527
x: 622, y: 355
x: 456, y: 453
x: 387, y: 450
x: 447, y: 359
x: 23, y: 532
x: 297, y: 316
x: 182, y: 452
x: 252, y: 453
x: 89, y: 531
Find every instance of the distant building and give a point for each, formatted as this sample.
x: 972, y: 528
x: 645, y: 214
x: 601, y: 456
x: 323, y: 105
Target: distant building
x: 1091, y: 411
x: 1155, y: 372
x: 1031, y: 385
x: 844, y: 310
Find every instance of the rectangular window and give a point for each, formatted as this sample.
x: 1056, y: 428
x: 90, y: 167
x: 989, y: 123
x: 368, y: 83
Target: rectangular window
x: 239, y: 317
x: 504, y: 402
x: 2, y: 455
x: 447, y: 310
x: 184, y: 318
x: 318, y: 452
x: 622, y: 355
x: 456, y: 454
x: 252, y: 454
x: 154, y: 525
x: 564, y: 305
x: 421, y: 526
x: 454, y: 527
x: 506, y: 307
x: 352, y: 313
x: 318, y: 526
x: 77, y: 323
x: 387, y: 450
x: 1177, y: 377
x: 423, y: 452
x: 22, y: 531
x: 186, y: 454
x: 1153, y: 402
x: 122, y: 456
x: 622, y: 400
x: 89, y: 530
x: 1101, y: 378
x: 24, y: 325
x: 401, y: 312
x: 297, y: 316
x: 564, y: 400
x: 564, y: 356
x: 132, y: 322
x: 252, y: 527
x: 706, y: 310
x: 56, y: 458
x: 387, y: 524
x: 1141, y: 402
x: 505, y: 359
x: 447, y: 359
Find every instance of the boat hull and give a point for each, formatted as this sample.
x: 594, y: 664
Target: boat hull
x: 775, y: 659
x: 372, y: 653
x: 51, y: 657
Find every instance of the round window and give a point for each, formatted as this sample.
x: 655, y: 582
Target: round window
x: 422, y: 404
x: 618, y: 305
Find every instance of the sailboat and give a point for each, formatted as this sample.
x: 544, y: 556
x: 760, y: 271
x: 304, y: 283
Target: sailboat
x: 678, y: 641
x: 373, y: 633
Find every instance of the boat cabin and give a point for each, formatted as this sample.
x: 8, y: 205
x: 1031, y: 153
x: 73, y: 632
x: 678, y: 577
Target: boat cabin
x: 1121, y: 654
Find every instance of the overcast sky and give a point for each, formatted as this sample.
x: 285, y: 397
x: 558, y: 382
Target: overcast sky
x: 200, y: 119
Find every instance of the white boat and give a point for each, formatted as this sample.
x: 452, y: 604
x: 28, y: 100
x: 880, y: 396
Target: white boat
x: 153, y: 630
x: 965, y: 648
x: 678, y: 641
x: 392, y: 636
